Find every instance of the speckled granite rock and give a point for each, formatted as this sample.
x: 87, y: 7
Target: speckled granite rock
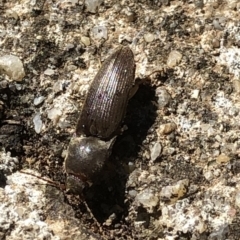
x: 174, y: 172
x: 30, y: 209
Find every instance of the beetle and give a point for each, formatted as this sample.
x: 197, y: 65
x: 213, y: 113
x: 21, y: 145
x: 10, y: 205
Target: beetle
x: 102, y: 114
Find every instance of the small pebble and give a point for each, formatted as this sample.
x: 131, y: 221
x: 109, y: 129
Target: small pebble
x: 174, y: 58
x: 38, y: 100
x: 149, y: 37
x: 167, y: 128
x: 155, y: 151
x: 85, y: 40
x: 222, y: 158
x: 49, y: 72
x: 12, y: 66
x: 37, y: 123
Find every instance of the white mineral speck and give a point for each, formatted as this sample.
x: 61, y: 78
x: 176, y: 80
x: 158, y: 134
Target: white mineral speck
x: 37, y: 123
x: 12, y: 66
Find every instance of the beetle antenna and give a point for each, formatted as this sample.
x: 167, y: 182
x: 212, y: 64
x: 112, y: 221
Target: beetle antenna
x: 50, y: 182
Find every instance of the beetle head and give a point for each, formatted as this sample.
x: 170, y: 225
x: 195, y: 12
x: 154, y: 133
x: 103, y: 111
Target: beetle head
x: 84, y: 161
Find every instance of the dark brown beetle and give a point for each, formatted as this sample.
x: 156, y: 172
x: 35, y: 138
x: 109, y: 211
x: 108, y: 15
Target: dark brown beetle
x: 100, y: 119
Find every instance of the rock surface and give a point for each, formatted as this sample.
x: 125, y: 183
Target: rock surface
x: 174, y: 172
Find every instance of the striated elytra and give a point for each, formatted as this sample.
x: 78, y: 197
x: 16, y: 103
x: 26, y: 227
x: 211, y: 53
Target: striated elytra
x: 100, y: 119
